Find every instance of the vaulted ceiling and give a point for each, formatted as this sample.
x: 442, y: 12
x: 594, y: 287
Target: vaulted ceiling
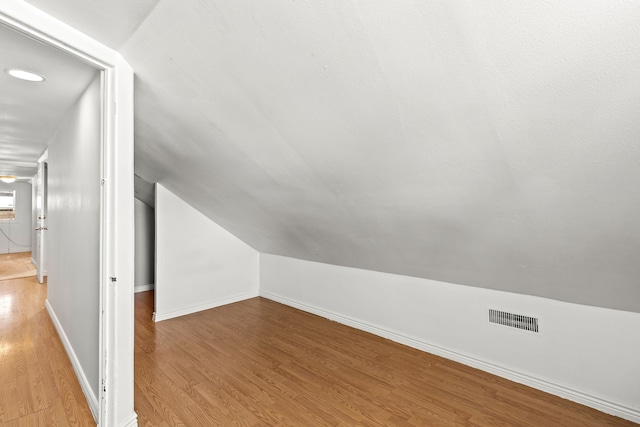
x: 492, y: 144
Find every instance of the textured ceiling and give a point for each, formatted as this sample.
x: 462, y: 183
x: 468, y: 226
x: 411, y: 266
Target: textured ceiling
x: 109, y: 21
x: 493, y: 144
x: 31, y: 112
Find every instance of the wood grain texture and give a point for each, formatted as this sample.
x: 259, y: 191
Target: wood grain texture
x: 16, y: 265
x: 38, y: 386
x: 260, y: 363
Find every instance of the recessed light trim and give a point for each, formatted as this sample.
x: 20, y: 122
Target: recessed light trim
x: 25, y: 75
x: 8, y: 178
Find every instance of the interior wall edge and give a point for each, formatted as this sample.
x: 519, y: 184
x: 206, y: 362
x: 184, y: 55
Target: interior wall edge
x: 206, y: 306
x: 16, y: 234
x: 118, y: 240
x: 92, y: 399
x: 199, y: 264
x: 143, y: 288
x: 132, y: 421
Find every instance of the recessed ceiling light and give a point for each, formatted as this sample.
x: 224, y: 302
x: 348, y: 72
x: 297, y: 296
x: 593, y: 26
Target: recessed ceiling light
x: 25, y: 75
x: 8, y: 178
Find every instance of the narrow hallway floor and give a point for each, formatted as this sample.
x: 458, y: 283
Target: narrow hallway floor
x: 38, y: 386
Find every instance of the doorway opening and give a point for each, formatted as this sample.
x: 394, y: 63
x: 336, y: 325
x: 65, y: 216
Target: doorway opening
x: 110, y: 393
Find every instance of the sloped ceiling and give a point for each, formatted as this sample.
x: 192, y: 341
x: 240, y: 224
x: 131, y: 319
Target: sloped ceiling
x: 110, y: 21
x: 492, y: 144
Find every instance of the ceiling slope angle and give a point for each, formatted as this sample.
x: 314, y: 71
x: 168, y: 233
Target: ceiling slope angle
x: 110, y: 22
x: 492, y: 145
x: 31, y: 112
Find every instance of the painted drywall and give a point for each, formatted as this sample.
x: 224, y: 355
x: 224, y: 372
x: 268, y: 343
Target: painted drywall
x: 18, y: 230
x: 144, y: 191
x: 583, y: 353
x: 34, y: 220
x: 32, y: 113
x: 118, y: 243
x: 145, y: 246
x: 110, y: 22
x: 199, y: 265
x: 73, y: 291
x: 492, y: 145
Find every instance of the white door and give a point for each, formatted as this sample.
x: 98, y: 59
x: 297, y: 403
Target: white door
x: 41, y: 222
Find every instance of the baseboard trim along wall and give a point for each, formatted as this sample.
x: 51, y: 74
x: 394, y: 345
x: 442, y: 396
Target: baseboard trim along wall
x: 92, y: 399
x: 199, y: 264
x: 582, y: 353
x: 132, y: 421
x: 143, y: 288
x: 35, y: 264
x: 510, y: 374
x: 158, y: 317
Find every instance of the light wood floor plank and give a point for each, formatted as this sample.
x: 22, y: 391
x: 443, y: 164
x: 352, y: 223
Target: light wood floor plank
x: 38, y: 386
x: 258, y: 362
x: 16, y: 265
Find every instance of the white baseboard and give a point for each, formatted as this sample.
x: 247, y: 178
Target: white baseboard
x: 600, y: 404
x: 201, y: 307
x: 143, y: 288
x: 92, y: 399
x: 35, y: 264
x: 132, y: 421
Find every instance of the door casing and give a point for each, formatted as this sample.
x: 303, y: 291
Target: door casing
x: 116, y: 207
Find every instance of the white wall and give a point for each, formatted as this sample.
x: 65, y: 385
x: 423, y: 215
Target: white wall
x: 19, y: 230
x: 583, y: 353
x: 74, y: 240
x: 199, y: 265
x: 34, y: 220
x: 144, y: 246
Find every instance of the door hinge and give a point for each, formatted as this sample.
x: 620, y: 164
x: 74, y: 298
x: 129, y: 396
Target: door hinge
x: 103, y: 182
x: 113, y: 279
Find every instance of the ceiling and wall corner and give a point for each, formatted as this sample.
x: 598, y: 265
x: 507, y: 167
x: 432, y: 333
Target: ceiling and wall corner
x: 111, y: 22
x: 493, y: 145
x: 30, y: 113
x: 144, y: 191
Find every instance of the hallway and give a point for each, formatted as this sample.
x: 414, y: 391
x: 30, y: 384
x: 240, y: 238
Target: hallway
x: 38, y: 387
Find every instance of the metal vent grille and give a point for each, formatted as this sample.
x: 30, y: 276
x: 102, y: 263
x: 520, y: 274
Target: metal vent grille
x: 513, y: 320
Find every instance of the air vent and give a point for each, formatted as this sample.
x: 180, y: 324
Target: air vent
x: 513, y: 320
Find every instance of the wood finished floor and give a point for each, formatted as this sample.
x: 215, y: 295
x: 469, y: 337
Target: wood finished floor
x: 16, y: 265
x: 38, y: 386
x: 259, y: 363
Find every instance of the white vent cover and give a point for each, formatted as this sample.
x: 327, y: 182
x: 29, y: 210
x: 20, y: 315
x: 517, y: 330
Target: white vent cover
x: 513, y: 320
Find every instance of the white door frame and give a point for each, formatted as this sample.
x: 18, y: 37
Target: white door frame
x: 41, y: 217
x: 116, y: 210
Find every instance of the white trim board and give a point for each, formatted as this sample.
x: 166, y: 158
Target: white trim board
x: 116, y: 208
x: 35, y: 264
x: 504, y: 372
x: 143, y: 288
x: 206, y: 306
x: 132, y: 421
x: 199, y: 265
x: 92, y: 399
